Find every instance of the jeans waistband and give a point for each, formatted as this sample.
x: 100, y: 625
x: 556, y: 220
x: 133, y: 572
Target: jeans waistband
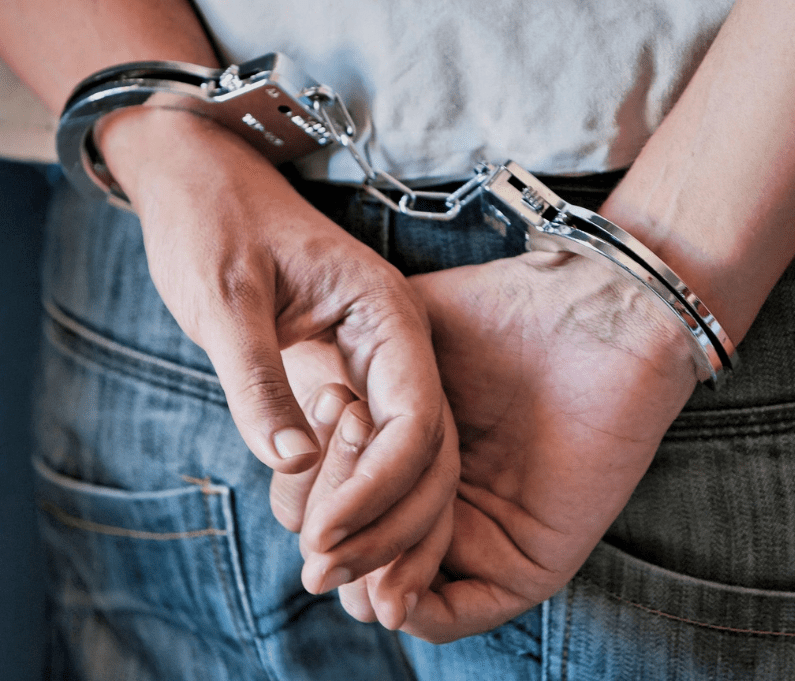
x: 417, y: 245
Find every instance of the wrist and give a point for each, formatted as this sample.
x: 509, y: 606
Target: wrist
x: 707, y: 245
x: 551, y: 224
x: 612, y: 310
x: 146, y: 148
x: 158, y: 154
x: 712, y: 191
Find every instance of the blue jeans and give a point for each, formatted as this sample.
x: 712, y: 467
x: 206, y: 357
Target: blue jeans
x: 165, y: 562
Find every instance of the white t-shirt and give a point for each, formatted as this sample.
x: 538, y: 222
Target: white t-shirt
x: 435, y: 86
x: 559, y: 86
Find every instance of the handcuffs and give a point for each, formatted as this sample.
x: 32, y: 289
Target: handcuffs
x: 285, y: 114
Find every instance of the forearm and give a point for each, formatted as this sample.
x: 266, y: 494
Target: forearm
x: 713, y: 192
x: 53, y: 45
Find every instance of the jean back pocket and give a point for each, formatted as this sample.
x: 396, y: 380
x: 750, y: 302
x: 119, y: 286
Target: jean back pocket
x: 145, y: 569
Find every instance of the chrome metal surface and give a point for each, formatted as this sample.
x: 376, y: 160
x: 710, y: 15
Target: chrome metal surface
x: 269, y: 101
x: 265, y: 101
x: 377, y: 182
x: 551, y: 224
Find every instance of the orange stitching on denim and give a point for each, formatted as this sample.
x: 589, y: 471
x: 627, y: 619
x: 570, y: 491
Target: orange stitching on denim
x: 231, y: 602
x: 564, y: 655
x: 204, y: 483
x: 685, y: 620
x: 98, y: 528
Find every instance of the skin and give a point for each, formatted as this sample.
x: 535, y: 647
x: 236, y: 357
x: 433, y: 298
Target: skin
x: 248, y: 268
x: 563, y: 379
x: 551, y: 445
x: 556, y: 426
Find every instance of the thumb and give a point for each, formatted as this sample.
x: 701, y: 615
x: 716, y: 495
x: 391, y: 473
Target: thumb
x: 248, y: 362
x: 289, y: 493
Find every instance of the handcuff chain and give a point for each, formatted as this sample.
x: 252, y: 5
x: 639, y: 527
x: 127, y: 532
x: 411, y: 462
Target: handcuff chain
x: 325, y: 100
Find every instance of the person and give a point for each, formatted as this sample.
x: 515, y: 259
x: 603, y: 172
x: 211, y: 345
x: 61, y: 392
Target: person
x: 561, y: 378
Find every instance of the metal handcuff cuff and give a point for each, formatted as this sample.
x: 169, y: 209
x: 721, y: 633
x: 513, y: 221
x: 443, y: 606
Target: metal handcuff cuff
x: 285, y: 114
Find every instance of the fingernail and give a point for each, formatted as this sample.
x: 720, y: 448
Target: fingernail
x: 336, y: 577
x: 328, y: 408
x: 292, y: 442
x: 355, y: 431
x: 410, y: 602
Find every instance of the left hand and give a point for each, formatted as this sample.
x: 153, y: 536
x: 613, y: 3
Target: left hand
x: 248, y: 268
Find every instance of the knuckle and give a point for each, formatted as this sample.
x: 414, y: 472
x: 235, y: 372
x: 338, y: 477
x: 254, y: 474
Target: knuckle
x: 241, y: 283
x: 335, y: 477
x: 448, y: 473
x: 266, y: 388
x: 385, y: 303
x: 435, y: 433
x: 432, y: 436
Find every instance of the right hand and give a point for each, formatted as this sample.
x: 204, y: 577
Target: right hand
x: 248, y: 268
x: 563, y: 378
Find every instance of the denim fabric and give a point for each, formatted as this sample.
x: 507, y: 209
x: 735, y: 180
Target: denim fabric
x: 165, y: 562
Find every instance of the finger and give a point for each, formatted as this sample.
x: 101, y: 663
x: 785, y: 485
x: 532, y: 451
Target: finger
x: 462, y: 608
x: 289, y: 493
x: 394, y: 590
x: 245, y: 353
x: 551, y: 551
x: 351, y: 500
x: 505, y: 563
x: 310, y: 365
x: 399, y: 529
x: 482, y: 597
x: 390, y: 361
x: 396, y: 531
x: 355, y: 600
x: 354, y: 431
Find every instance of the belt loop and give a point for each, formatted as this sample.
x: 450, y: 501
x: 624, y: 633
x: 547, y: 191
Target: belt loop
x: 387, y: 225
x: 376, y: 221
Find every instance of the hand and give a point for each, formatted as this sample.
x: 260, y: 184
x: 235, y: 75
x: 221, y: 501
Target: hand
x: 403, y: 540
x: 563, y: 378
x: 248, y: 268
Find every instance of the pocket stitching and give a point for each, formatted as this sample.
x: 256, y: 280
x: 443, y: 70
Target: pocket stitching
x: 99, y: 528
x: 238, y: 614
x: 67, y: 336
x: 684, y: 620
x: 231, y: 603
x: 732, y: 422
